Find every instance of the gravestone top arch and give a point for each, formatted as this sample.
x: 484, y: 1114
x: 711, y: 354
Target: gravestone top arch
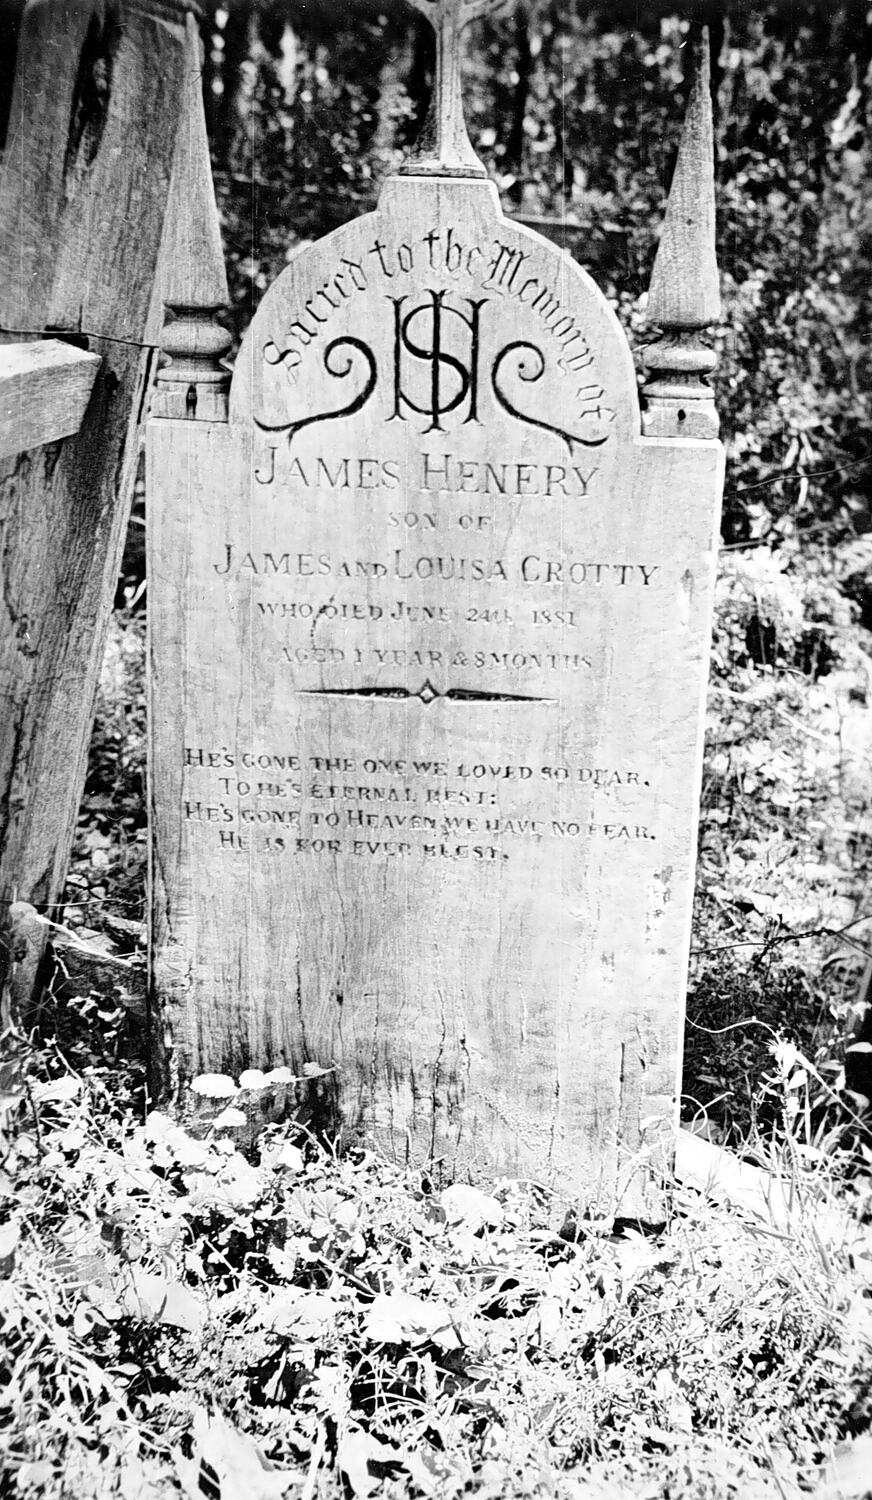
x: 416, y: 322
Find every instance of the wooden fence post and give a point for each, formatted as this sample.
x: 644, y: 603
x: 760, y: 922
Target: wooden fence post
x: 83, y: 195
x: 191, y: 391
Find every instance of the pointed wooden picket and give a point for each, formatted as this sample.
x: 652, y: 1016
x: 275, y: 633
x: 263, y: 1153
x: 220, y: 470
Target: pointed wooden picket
x: 685, y: 289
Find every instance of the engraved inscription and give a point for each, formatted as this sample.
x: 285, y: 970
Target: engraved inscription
x: 438, y: 474
x: 284, y: 803
x: 403, y: 566
x: 443, y: 392
x: 438, y: 338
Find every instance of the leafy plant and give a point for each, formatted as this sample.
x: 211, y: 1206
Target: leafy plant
x: 181, y: 1318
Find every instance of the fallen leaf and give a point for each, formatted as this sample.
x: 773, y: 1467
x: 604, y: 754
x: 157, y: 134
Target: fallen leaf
x: 283, y: 1262
x: 280, y: 1075
x: 214, y: 1086
x: 172, y: 1143
x: 56, y: 1092
x: 356, y: 1451
x: 235, y: 1185
x: 9, y: 1235
x: 291, y: 1157
x: 848, y: 1475
x: 470, y: 1207
x: 401, y: 1318
x: 159, y: 1300
x: 229, y: 1119
x: 253, y: 1078
x: 548, y: 1324
x: 438, y: 1473
x: 306, y: 1315
x: 141, y: 1478
x: 34, y: 1475
x: 241, y: 1469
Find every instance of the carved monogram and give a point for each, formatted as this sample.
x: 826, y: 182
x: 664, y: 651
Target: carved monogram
x: 435, y: 369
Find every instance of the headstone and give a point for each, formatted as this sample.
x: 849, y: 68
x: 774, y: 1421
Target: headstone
x: 429, y: 632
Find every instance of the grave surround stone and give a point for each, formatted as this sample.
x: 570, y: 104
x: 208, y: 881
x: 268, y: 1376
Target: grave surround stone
x: 430, y: 621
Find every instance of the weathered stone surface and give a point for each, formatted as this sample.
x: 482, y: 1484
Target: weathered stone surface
x: 430, y: 625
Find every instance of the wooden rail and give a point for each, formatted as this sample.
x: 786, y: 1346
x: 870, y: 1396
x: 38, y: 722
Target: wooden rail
x: 45, y: 388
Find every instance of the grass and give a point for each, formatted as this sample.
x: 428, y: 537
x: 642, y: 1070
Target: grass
x: 183, y: 1318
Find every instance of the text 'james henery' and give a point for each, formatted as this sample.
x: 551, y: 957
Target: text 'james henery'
x: 442, y: 474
